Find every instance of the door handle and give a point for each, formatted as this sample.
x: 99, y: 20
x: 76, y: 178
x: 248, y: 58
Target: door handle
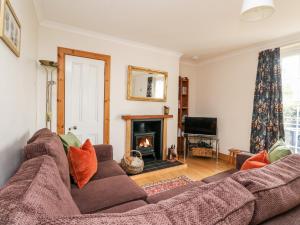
x: 73, y: 128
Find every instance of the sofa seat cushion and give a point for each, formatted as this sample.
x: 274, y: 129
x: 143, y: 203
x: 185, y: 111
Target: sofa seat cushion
x: 36, y: 191
x: 276, y: 187
x: 108, y: 168
x: 125, y: 207
x: 106, y: 193
x: 222, y: 203
x: 153, y: 199
x: 45, y: 144
x: 219, y: 176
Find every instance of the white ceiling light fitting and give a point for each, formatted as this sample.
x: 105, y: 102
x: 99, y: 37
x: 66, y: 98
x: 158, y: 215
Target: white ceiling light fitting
x: 256, y: 10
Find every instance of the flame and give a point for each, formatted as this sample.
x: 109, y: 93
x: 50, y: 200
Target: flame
x: 145, y: 143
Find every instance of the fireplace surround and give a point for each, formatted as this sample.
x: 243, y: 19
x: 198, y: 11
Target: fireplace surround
x: 129, y: 127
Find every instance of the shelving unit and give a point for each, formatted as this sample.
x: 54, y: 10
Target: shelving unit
x: 183, y: 111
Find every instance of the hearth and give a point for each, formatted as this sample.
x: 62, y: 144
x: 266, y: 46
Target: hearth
x: 147, y: 138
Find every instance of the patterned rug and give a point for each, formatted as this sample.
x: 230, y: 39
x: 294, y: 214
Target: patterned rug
x: 165, y: 185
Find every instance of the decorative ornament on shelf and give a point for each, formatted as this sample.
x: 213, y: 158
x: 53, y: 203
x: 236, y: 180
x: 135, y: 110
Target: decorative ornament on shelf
x: 256, y: 10
x: 166, y: 110
x: 172, y: 155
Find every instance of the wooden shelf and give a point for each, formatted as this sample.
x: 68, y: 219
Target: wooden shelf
x: 183, y: 109
x: 140, y: 117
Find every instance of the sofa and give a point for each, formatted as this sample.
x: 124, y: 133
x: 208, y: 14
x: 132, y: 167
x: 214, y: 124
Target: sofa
x: 291, y: 217
x: 41, y: 192
x: 107, y: 180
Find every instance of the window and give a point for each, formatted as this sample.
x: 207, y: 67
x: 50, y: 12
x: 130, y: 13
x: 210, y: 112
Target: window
x: 290, y: 63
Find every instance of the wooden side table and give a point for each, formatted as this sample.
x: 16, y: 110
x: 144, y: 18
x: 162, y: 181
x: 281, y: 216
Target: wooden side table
x: 233, y: 152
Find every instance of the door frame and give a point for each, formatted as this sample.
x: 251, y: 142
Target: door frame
x: 62, y: 52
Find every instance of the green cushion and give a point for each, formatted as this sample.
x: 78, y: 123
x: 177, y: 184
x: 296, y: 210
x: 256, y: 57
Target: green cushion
x: 68, y: 140
x: 279, y: 142
x: 279, y: 151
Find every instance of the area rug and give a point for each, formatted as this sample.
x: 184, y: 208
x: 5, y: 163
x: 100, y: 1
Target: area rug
x: 165, y: 185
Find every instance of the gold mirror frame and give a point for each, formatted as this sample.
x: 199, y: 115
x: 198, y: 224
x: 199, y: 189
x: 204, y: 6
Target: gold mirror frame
x: 148, y: 71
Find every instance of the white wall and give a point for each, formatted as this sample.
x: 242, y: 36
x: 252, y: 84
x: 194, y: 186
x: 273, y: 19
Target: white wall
x: 224, y: 88
x: 18, y: 91
x: 122, y: 55
x: 227, y: 92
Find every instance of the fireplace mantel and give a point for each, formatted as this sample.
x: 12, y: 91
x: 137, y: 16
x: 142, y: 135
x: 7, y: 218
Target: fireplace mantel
x: 140, y: 117
x: 130, y: 118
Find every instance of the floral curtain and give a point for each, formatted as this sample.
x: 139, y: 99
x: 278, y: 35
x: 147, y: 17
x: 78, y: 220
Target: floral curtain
x: 149, y: 87
x: 267, y: 119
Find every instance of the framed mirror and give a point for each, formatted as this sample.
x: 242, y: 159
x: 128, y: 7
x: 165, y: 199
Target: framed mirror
x: 146, y: 84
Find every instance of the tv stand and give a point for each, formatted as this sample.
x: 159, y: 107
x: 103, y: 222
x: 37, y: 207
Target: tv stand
x: 200, y: 137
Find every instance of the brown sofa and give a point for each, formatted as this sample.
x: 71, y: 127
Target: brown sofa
x: 41, y: 193
x: 103, y: 191
x: 291, y: 217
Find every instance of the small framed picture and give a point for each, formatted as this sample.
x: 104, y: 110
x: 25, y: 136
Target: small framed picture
x: 10, y: 27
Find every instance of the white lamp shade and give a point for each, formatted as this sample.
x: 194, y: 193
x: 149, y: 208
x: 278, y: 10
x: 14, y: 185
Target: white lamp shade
x: 255, y: 10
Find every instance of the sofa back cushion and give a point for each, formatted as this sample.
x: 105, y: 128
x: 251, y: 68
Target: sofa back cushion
x: 275, y: 186
x: 45, y: 144
x: 39, y: 133
x: 222, y: 203
x: 36, y: 191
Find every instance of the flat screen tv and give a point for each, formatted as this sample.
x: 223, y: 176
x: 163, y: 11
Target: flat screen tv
x: 200, y: 125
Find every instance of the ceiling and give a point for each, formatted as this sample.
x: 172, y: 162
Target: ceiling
x: 204, y: 28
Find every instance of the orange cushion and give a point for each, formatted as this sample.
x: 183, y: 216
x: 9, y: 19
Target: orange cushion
x: 83, y: 163
x: 257, y: 161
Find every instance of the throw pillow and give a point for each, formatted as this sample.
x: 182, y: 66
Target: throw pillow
x: 278, y: 151
x: 257, y: 161
x: 83, y: 163
x: 279, y: 142
x: 68, y: 140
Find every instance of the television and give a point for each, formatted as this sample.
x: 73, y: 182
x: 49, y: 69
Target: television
x: 200, y: 125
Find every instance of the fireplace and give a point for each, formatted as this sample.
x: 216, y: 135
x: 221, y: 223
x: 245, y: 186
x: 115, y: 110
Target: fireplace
x: 144, y: 142
x: 147, y: 138
x: 159, y: 125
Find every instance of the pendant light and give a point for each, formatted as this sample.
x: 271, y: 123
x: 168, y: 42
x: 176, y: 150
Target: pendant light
x: 256, y: 10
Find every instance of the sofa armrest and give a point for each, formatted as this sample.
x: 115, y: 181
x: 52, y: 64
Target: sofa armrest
x: 241, y: 158
x: 104, y: 152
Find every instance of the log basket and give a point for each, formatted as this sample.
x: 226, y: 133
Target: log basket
x: 133, y: 164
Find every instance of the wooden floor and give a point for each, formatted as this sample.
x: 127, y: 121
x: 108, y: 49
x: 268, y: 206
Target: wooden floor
x: 195, y: 169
